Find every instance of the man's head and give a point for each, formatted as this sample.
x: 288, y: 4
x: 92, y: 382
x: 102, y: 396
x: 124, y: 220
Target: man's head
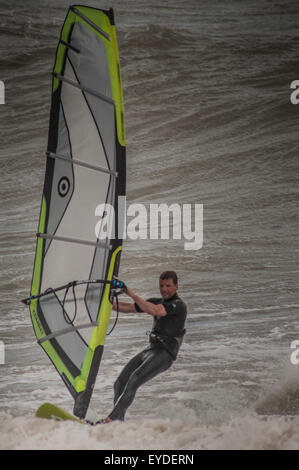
x: 168, y: 284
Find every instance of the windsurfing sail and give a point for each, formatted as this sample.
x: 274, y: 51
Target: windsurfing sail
x: 74, y: 268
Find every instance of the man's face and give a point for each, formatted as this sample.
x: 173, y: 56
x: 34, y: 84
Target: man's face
x: 167, y: 288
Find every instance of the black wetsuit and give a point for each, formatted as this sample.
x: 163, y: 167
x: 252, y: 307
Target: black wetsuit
x: 165, y: 340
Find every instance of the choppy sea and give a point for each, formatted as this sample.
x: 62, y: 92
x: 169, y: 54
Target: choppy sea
x: 209, y: 121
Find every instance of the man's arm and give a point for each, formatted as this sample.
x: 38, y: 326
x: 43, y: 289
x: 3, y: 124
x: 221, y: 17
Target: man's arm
x: 124, y: 307
x: 147, y: 307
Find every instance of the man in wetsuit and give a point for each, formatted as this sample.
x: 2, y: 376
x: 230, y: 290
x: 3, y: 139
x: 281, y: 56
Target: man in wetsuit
x: 169, y: 315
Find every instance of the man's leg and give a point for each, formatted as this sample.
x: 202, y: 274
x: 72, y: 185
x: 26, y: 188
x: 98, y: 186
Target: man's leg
x: 155, y: 361
x: 124, y: 376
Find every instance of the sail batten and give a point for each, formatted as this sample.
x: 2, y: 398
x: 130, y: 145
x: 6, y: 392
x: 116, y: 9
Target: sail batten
x: 86, y: 165
x: 69, y: 45
x: 69, y: 81
x: 93, y: 25
x: 85, y: 168
x: 48, y: 236
x: 67, y: 330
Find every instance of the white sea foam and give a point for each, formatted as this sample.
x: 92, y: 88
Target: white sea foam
x: 249, y: 432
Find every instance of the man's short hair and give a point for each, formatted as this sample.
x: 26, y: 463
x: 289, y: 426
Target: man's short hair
x: 169, y: 275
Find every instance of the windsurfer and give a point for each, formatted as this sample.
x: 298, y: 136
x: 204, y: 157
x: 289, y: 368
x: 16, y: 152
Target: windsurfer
x: 169, y: 315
